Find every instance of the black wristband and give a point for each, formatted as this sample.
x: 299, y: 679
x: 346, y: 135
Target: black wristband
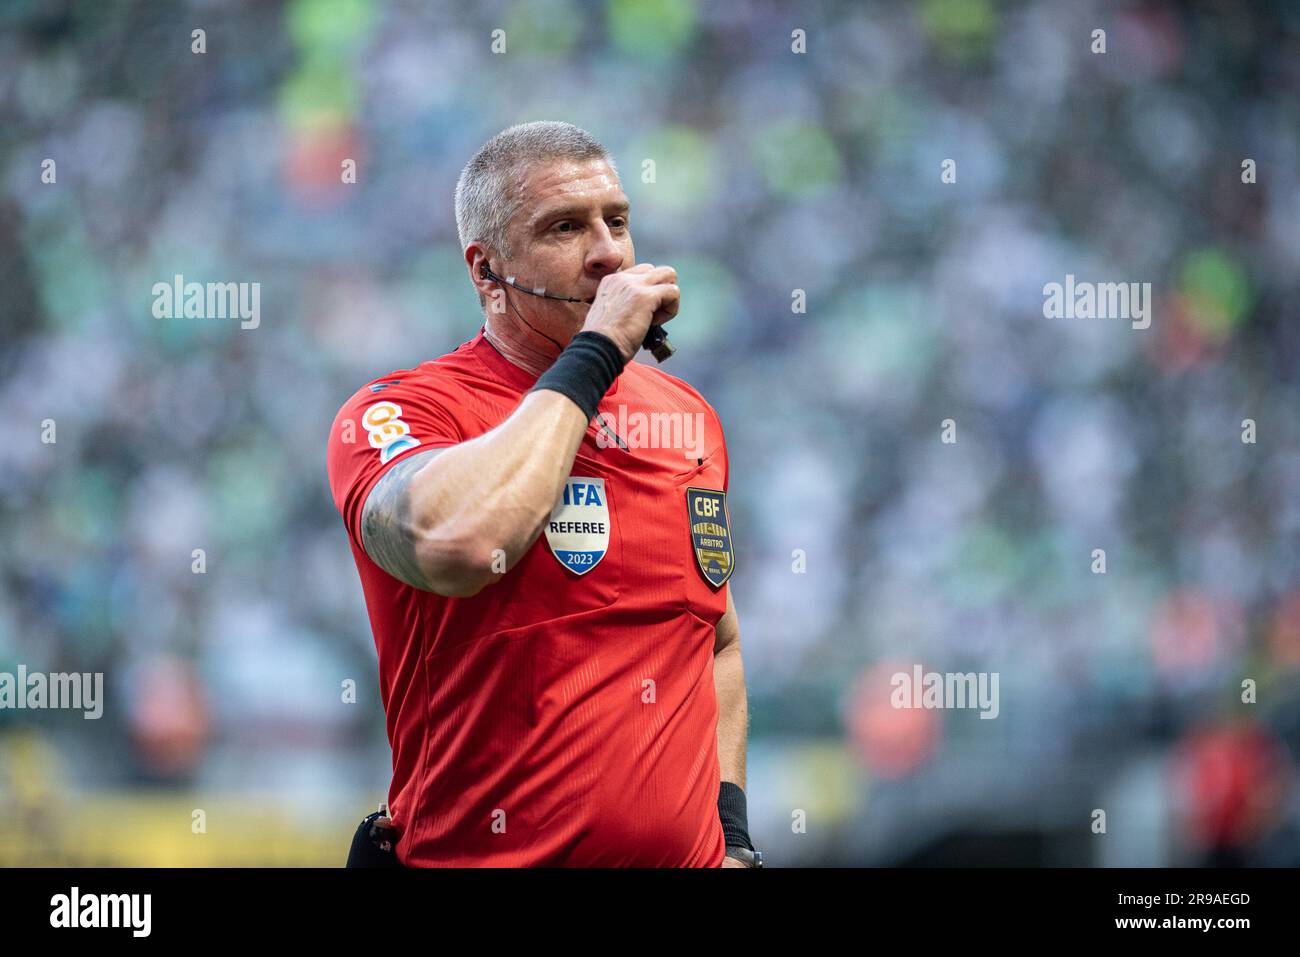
x: 584, y: 371
x: 732, y: 810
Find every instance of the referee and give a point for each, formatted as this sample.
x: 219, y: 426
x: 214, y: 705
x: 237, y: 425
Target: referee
x: 559, y: 653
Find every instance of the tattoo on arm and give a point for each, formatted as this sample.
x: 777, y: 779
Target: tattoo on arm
x: 387, y: 534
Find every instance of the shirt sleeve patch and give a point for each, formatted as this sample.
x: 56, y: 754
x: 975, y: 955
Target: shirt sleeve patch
x: 386, y: 430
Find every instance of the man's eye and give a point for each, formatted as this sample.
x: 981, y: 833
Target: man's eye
x: 620, y: 222
x: 564, y: 223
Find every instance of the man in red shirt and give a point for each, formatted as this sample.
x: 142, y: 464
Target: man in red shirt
x: 559, y: 653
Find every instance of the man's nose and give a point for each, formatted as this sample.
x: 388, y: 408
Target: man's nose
x: 605, y: 255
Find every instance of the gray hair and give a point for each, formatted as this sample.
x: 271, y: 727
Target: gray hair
x: 488, y: 193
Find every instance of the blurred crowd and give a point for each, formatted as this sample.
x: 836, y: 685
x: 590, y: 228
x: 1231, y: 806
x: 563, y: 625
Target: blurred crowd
x: 923, y: 466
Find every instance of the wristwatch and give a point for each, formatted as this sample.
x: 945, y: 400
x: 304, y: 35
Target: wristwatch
x: 746, y: 856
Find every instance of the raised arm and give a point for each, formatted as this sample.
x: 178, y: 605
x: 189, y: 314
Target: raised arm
x: 436, y: 518
x: 440, y: 520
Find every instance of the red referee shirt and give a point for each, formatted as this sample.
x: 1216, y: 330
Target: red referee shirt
x: 565, y: 715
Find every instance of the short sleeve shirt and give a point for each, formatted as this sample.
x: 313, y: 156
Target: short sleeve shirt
x: 565, y: 715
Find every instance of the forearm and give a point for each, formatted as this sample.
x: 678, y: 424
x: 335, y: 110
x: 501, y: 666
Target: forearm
x: 733, y: 713
x: 496, y: 491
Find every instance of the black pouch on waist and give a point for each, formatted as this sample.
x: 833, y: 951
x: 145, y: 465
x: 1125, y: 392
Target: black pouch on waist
x: 375, y: 843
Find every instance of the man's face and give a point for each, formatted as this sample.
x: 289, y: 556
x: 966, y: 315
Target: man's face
x: 570, y: 231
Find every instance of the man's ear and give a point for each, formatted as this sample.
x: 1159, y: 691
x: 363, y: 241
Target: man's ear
x: 476, y: 261
x: 494, y: 292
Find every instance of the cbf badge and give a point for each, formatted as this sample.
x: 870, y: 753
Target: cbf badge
x: 578, y: 529
x: 710, y: 533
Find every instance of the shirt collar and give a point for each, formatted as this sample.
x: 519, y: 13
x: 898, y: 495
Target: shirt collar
x: 507, y: 371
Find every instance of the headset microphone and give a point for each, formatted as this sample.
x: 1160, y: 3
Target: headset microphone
x: 656, y: 339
